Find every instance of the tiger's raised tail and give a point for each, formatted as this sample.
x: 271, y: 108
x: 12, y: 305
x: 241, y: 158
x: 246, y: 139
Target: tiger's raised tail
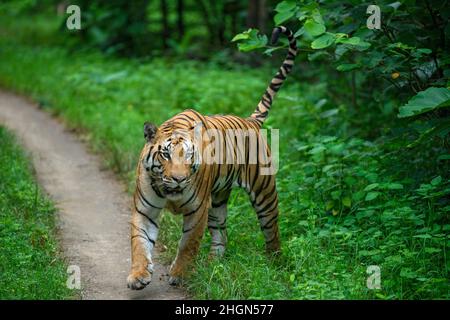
x: 262, y: 110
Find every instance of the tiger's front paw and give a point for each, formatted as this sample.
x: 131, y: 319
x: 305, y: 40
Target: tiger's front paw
x: 138, y: 280
x: 175, y: 273
x: 174, y: 280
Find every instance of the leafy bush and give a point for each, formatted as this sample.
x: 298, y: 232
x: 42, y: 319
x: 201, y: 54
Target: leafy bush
x: 406, y: 58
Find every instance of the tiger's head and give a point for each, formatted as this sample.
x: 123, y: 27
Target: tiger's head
x: 173, y: 158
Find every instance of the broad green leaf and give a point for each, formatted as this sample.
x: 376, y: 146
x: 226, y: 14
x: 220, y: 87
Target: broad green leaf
x: 336, y: 194
x: 444, y: 157
x: 317, y: 16
x: 348, y: 67
x: 285, y: 10
x: 251, y: 40
x: 372, y: 195
x: 408, y: 273
x: 394, y: 186
x: 314, y: 28
x: 347, y: 202
x: 436, y: 181
x: 323, y: 41
x: 241, y: 36
x: 270, y: 50
x: 423, y: 236
x: 287, y: 5
x: 329, y: 205
x: 299, y: 32
x: 371, y: 186
x: 353, y: 40
x: 425, y: 101
x: 425, y: 50
x: 281, y: 17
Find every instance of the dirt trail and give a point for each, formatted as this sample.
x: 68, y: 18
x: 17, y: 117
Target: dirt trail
x: 93, y: 206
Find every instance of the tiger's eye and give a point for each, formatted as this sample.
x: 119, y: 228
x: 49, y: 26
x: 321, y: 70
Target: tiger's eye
x: 165, y: 155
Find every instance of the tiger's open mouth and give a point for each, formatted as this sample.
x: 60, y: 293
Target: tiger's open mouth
x: 173, y: 191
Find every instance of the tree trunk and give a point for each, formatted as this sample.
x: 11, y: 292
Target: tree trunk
x: 180, y: 19
x: 233, y: 11
x: 208, y: 22
x: 220, y: 21
x: 257, y: 14
x: 262, y: 16
x: 164, y: 23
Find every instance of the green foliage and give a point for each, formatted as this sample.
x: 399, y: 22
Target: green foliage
x: 30, y: 265
x: 254, y: 40
x: 408, y: 52
x: 115, y: 27
x: 425, y: 101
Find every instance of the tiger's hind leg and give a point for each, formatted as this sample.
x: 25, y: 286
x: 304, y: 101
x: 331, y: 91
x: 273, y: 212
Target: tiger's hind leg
x: 264, y: 198
x: 217, y: 219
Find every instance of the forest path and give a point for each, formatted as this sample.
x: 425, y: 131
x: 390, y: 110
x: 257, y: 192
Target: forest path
x: 93, y: 207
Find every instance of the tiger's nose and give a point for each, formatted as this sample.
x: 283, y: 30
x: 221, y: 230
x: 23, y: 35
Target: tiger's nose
x: 179, y: 179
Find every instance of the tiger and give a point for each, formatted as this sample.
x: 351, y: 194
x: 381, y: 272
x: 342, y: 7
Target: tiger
x: 171, y: 175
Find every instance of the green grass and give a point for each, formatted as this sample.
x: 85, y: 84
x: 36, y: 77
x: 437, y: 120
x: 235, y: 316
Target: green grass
x: 346, y: 201
x: 30, y: 263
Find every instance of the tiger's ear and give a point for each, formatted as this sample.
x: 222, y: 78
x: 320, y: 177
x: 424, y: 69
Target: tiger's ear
x: 149, y: 131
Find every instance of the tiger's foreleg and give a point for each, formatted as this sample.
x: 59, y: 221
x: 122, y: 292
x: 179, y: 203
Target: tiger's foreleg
x: 144, y: 232
x: 193, y: 228
x: 217, y: 219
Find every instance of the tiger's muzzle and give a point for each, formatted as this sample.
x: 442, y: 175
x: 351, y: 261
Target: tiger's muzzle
x: 174, y: 186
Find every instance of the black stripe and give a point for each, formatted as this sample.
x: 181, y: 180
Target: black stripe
x: 218, y: 205
x: 216, y: 227
x: 149, y: 219
x: 156, y: 190
x: 212, y: 218
x: 287, y: 67
x: 193, y: 227
x: 145, y: 232
x: 258, y: 192
x: 143, y: 198
x: 273, y: 238
x: 268, y: 206
x: 145, y: 238
x: 189, y: 200
x: 273, y: 221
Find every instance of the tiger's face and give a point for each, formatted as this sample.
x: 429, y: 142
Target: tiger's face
x: 172, y: 159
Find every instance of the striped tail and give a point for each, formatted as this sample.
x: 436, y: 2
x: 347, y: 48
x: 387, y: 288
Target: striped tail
x: 262, y: 110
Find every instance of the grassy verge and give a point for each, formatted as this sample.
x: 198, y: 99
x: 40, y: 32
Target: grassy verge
x: 346, y: 202
x: 30, y: 266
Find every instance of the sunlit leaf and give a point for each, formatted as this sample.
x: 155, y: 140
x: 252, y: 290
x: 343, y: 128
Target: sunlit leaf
x: 425, y: 101
x: 348, y: 67
x: 372, y: 195
x: 314, y: 28
x: 323, y: 41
